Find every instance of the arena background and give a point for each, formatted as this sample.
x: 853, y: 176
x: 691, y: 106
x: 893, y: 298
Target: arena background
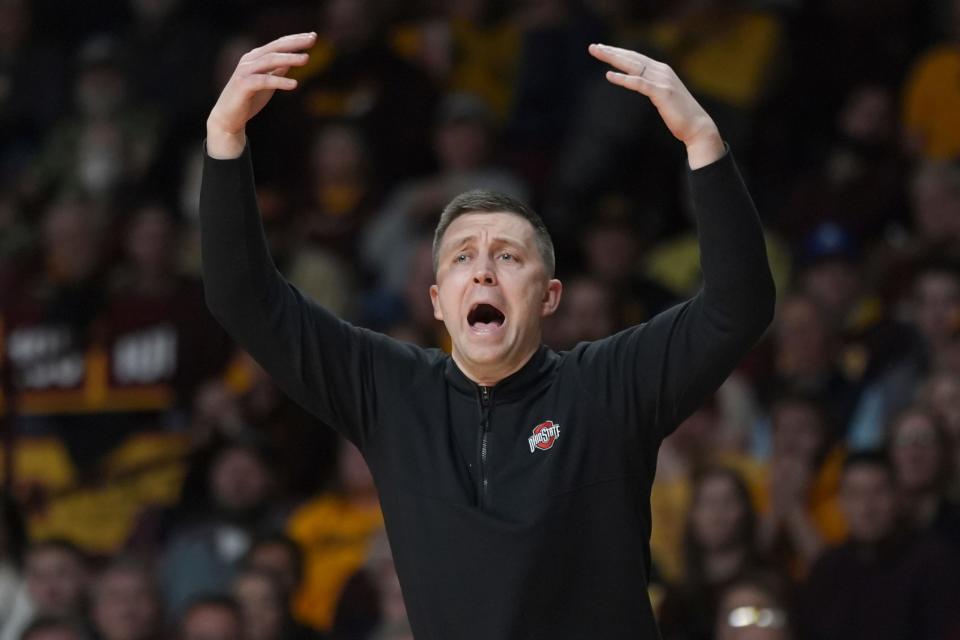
x: 154, y: 479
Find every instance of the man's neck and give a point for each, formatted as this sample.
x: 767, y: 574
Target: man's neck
x: 491, y: 375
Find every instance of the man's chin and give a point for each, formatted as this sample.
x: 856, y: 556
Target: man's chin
x: 485, y: 354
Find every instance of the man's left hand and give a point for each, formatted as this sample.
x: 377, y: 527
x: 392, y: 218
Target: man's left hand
x: 682, y: 114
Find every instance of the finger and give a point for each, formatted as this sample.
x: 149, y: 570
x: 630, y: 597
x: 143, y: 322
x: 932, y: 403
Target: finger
x: 264, y: 81
x: 293, y: 42
x: 611, y: 51
x: 635, y: 83
x: 624, y: 59
x: 272, y: 61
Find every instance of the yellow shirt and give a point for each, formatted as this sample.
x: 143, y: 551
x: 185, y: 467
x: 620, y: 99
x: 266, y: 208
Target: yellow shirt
x: 146, y: 470
x: 675, y: 264
x: 931, y: 102
x: 729, y: 60
x: 334, y: 536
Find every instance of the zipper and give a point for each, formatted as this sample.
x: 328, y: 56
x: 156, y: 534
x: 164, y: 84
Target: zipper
x: 486, y: 397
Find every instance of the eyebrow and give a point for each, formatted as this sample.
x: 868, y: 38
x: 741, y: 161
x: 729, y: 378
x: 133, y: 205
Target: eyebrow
x: 498, y: 240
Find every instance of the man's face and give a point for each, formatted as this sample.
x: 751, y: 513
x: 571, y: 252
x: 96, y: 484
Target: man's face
x: 869, y: 503
x: 797, y: 431
x: 717, y: 513
x: 916, y: 453
x: 261, y: 604
x: 492, y: 291
x: 126, y: 606
x: 239, y: 481
x: 937, y: 305
x: 56, y: 580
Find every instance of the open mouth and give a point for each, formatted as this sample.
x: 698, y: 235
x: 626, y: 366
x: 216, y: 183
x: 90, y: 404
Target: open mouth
x: 485, y: 316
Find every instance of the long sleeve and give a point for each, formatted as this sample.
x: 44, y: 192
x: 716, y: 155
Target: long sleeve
x: 319, y: 360
x: 736, y: 303
x: 657, y: 374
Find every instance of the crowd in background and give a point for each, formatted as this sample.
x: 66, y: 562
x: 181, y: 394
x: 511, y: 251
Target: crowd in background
x: 157, y: 485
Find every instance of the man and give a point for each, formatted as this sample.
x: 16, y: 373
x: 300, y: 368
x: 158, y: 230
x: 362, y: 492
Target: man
x: 56, y: 580
x: 125, y: 602
x: 514, y: 480
x: 885, y: 581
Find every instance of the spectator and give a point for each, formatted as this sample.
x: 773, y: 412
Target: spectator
x: 941, y: 393
x: 157, y: 323
x: 278, y: 555
x: 334, y: 530
x: 829, y: 272
x: 264, y: 605
x: 587, y: 314
x: 933, y: 310
x: 353, y: 75
x: 206, y: 550
x: 341, y: 193
x: 935, y: 206
x: 920, y: 450
x: 108, y: 144
x: 720, y: 544
x: 805, y: 362
x: 612, y: 247
x: 933, y: 233
x: 798, y: 498
x: 883, y: 581
x: 463, y: 142
x: 56, y: 576
x: 126, y: 602
x: 695, y: 444
x: 857, y: 184
x: 212, y: 618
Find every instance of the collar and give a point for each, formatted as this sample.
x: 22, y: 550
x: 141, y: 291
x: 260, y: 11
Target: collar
x: 541, y: 366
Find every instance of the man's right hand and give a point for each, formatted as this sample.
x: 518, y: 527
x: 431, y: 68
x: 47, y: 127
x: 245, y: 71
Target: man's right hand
x: 259, y: 73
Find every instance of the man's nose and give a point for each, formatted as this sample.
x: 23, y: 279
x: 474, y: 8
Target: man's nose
x: 484, y: 273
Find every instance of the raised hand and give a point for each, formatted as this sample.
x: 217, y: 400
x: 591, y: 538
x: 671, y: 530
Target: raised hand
x: 259, y: 73
x: 680, y: 111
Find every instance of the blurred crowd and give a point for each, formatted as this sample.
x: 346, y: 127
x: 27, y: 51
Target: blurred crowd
x: 157, y: 485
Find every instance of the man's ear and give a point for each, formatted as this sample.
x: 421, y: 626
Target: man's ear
x: 435, y: 301
x: 551, y: 297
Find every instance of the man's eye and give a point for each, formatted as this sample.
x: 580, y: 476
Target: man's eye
x: 507, y: 256
x: 462, y: 257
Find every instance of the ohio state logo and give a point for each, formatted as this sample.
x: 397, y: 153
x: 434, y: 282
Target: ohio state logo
x: 544, y: 435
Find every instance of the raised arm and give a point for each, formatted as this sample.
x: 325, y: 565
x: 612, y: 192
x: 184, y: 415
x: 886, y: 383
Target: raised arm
x: 673, y: 362
x: 320, y: 361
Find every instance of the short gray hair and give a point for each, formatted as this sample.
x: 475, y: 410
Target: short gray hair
x: 484, y: 201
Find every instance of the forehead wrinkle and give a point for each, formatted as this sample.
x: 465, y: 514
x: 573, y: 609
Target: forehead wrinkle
x: 483, y: 237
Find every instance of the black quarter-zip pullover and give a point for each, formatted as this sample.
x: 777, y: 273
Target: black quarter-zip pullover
x: 519, y: 511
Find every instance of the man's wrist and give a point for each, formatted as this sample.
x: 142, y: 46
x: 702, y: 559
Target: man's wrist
x: 705, y: 149
x: 223, y: 145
